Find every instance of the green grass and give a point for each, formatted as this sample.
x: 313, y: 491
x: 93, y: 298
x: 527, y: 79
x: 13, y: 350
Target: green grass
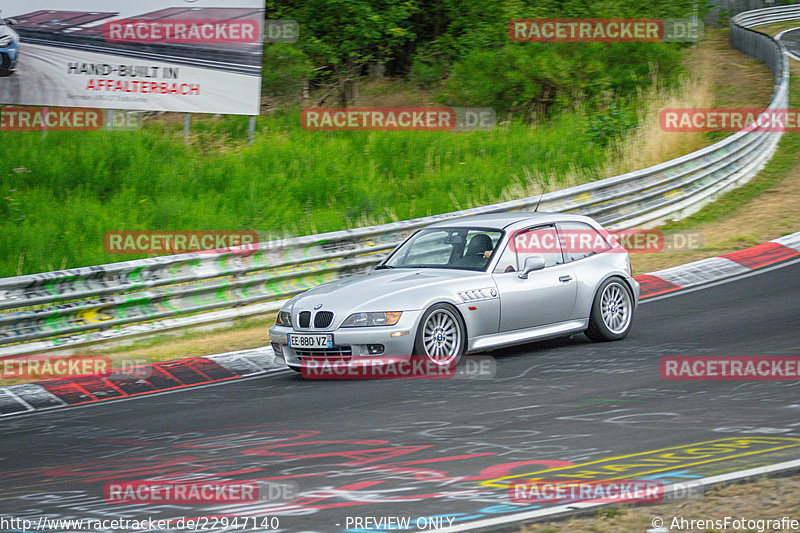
x: 59, y: 194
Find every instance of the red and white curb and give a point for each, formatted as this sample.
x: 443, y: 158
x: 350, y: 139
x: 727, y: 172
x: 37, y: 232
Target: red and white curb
x: 136, y: 381
x: 194, y: 371
x: 716, y: 268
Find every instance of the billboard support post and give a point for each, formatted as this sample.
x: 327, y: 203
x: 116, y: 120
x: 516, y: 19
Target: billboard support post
x: 251, y: 130
x: 187, y: 120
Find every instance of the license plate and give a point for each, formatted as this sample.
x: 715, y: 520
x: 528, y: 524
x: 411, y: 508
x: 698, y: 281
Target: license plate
x: 311, y: 341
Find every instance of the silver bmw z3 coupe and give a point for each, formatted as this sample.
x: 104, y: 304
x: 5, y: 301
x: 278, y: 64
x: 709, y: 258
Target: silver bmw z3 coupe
x: 468, y: 285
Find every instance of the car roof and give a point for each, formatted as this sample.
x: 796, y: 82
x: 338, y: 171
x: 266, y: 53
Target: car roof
x: 504, y: 220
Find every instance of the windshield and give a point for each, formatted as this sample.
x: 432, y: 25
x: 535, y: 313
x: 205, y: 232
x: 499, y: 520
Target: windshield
x: 459, y: 248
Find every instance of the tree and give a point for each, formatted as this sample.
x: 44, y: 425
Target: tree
x: 345, y: 35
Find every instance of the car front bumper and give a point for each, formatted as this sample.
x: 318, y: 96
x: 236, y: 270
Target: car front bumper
x: 397, y: 340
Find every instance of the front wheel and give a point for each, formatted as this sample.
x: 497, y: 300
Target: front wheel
x: 441, y: 335
x: 612, y: 312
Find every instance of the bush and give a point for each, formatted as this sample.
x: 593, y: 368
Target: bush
x: 286, y: 68
x: 537, y: 77
x: 610, y: 125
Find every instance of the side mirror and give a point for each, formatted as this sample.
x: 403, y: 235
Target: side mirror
x: 11, y: 22
x: 533, y: 262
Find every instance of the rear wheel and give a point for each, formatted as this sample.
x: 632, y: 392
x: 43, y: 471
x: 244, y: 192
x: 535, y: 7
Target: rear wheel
x: 441, y: 335
x: 612, y: 312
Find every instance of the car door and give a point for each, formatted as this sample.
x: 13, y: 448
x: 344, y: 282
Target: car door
x: 548, y: 295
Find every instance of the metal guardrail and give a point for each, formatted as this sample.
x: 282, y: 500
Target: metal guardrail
x: 84, y: 305
x: 767, y: 15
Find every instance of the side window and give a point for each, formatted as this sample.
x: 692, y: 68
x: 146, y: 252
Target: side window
x: 579, y: 240
x: 508, y: 260
x: 534, y: 241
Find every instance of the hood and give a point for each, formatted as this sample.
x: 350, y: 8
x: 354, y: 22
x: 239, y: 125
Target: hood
x: 6, y: 30
x: 383, y: 290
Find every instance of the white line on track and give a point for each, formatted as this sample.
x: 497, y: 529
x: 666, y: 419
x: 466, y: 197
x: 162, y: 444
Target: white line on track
x: 583, y: 506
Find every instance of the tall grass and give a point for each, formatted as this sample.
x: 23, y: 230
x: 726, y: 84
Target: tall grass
x: 60, y: 194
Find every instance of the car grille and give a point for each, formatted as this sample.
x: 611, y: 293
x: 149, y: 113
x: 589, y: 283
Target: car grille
x: 323, y: 319
x: 337, y: 353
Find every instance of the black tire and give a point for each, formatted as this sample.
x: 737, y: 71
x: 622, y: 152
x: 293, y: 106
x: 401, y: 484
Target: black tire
x: 443, y: 310
x: 616, y: 294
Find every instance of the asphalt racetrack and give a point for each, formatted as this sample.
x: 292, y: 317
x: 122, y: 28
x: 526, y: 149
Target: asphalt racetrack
x: 437, y: 452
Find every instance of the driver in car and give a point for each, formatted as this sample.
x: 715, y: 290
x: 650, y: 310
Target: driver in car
x: 478, y: 251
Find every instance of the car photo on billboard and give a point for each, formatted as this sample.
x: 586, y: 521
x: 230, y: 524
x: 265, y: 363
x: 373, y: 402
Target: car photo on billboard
x: 9, y: 46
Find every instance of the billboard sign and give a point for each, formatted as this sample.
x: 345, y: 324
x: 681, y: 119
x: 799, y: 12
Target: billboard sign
x: 197, y: 56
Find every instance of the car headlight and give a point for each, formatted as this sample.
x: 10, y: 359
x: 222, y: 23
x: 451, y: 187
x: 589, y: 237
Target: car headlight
x: 5, y: 41
x: 284, y: 319
x: 357, y: 320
